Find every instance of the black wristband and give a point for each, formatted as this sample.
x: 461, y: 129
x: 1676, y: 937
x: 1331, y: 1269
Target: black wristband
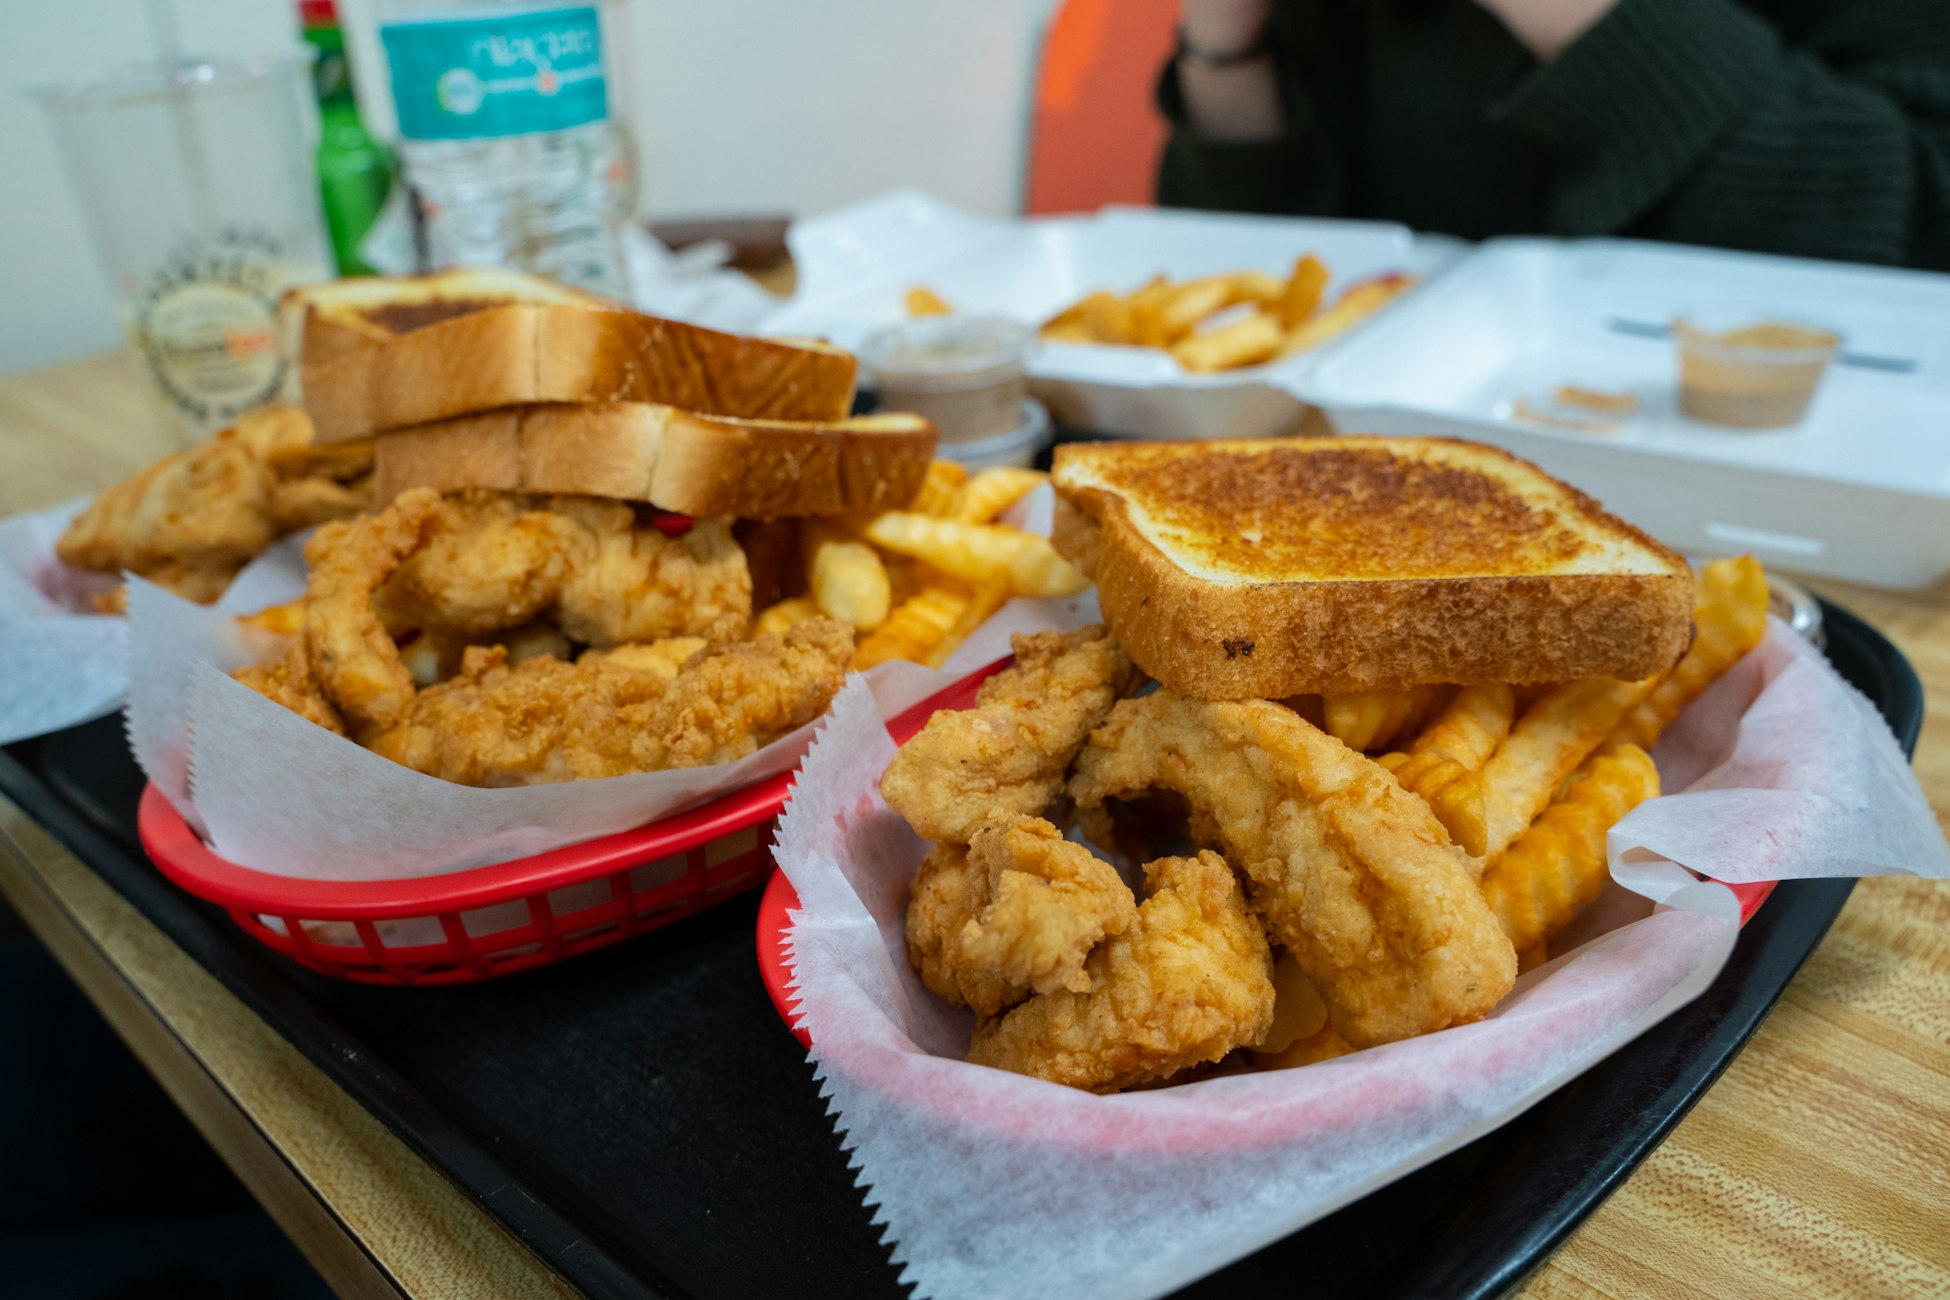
x: 1258, y: 48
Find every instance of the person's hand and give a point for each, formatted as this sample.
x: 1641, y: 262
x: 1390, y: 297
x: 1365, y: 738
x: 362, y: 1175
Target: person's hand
x: 1223, y: 26
x: 1546, y: 27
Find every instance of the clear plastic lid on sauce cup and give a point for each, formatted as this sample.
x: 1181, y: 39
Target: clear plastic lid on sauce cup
x: 1752, y: 368
x: 966, y: 373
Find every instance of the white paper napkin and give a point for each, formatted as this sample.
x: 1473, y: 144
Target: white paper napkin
x: 993, y: 1184
x: 67, y: 664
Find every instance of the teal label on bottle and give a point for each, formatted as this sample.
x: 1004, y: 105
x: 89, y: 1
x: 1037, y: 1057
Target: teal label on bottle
x: 499, y: 73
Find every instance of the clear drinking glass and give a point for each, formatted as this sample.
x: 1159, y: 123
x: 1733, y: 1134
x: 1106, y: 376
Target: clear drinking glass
x: 195, y: 180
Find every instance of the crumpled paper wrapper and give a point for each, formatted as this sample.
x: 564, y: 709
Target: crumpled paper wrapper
x: 994, y: 1184
x: 67, y: 664
x: 269, y: 790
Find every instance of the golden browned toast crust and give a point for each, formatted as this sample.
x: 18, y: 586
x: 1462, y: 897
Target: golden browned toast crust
x: 1231, y: 573
x: 697, y: 465
x: 524, y: 353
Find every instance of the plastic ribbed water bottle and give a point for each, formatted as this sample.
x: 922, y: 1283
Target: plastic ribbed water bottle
x: 506, y: 135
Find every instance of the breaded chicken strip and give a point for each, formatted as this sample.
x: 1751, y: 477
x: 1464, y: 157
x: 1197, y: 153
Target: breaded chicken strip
x: 609, y: 576
x: 1012, y: 749
x: 1016, y: 914
x: 495, y: 563
x: 287, y: 680
x: 191, y: 520
x: 628, y: 582
x: 1352, y: 874
x: 547, y: 720
x: 1188, y: 981
x: 353, y: 656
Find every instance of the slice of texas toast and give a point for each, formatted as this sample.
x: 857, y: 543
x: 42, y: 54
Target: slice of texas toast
x: 521, y: 353
x: 677, y: 460
x: 1263, y: 569
x: 328, y: 320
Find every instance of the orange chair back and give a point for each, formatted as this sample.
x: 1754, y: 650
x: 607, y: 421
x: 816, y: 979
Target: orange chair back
x: 1095, y: 136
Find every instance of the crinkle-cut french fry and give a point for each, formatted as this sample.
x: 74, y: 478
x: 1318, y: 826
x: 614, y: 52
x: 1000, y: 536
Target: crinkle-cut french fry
x: 847, y: 579
x: 777, y: 620
x: 1298, y: 1010
x: 1242, y: 343
x: 1529, y: 959
x: 1370, y: 719
x: 1470, y: 726
x: 1258, y: 288
x: 1111, y: 319
x: 1357, y: 304
x: 1453, y: 792
x: 992, y: 491
x: 1559, y: 864
x: 1301, y: 294
x: 1729, y: 619
x: 915, y: 627
x: 985, y: 600
x: 977, y: 552
x: 938, y: 487
x: 1068, y: 331
x: 1323, y: 1046
x: 923, y: 301
x: 1300, y: 1034
x: 287, y: 619
x: 1192, y: 301
x: 1548, y: 742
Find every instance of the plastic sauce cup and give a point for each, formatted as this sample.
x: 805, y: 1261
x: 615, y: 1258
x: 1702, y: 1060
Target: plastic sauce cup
x: 1756, y: 372
x: 966, y: 373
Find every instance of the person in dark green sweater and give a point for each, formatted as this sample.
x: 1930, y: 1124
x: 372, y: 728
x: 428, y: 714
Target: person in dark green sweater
x: 1819, y: 128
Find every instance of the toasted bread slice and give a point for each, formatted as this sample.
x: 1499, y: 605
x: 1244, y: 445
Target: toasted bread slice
x: 337, y: 317
x: 676, y: 460
x: 522, y: 353
x: 1263, y: 569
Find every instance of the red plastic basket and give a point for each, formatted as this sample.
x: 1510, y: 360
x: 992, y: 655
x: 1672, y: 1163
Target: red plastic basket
x: 513, y: 916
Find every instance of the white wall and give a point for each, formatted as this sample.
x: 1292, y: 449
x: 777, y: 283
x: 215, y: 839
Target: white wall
x: 739, y: 106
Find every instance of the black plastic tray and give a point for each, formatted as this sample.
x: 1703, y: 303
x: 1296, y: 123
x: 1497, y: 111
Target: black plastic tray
x: 644, y: 1123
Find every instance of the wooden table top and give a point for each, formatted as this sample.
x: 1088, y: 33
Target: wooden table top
x: 1819, y: 1164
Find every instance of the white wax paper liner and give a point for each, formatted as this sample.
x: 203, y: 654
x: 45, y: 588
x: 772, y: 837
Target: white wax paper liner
x: 992, y: 1184
x: 67, y: 664
x: 269, y: 790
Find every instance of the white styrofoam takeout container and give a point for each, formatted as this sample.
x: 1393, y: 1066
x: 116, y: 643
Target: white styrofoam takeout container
x: 856, y: 265
x: 1860, y: 489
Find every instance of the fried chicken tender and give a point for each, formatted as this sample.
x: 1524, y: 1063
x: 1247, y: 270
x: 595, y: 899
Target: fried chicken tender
x: 1016, y: 914
x: 629, y: 582
x: 353, y: 656
x: 500, y: 559
x: 1189, y: 980
x: 1012, y: 749
x: 941, y: 900
x: 1351, y: 873
x: 664, y: 658
x: 288, y: 680
x: 492, y: 564
x: 190, y: 521
x: 433, y: 657
x: 546, y: 720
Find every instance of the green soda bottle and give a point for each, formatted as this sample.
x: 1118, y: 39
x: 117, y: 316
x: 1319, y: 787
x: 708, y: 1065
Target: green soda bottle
x: 354, y: 170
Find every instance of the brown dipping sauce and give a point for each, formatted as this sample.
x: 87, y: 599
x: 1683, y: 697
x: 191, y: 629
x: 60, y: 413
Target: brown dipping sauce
x: 1758, y: 376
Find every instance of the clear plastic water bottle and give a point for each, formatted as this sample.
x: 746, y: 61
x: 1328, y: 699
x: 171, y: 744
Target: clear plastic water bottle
x: 506, y: 135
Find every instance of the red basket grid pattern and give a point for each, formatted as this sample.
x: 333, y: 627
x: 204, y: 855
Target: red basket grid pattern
x: 514, y: 916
